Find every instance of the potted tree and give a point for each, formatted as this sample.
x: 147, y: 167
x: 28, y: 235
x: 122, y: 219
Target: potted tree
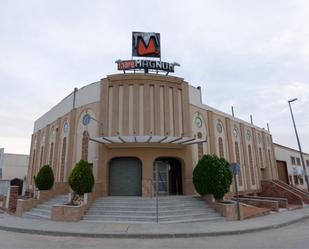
x: 44, y: 181
x: 81, y: 181
x: 212, y: 176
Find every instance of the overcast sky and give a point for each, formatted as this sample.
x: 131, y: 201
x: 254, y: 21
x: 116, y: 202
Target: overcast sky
x: 253, y: 55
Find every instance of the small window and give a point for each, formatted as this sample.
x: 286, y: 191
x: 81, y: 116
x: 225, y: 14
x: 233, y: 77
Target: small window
x: 301, y: 180
x: 295, y: 179
x: 293, y: 160
x: 0, y: 173
x: 307, y: 162
x: 298, y: 161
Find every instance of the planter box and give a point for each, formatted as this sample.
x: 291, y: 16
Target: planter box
x: 25, y: 205
x: 44, y: 195
x: 67, y: 213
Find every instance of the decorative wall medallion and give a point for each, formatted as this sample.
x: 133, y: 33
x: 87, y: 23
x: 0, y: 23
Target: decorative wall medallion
x: 65, y: 127
x: 248, y: 135
x: 198, y: 122
x: 219, y: 127
x: 235, y: 132
x: 86, y: 119
x: 259, y: 138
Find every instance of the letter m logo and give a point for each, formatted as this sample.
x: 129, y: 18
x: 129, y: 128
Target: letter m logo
x: 146, y: 44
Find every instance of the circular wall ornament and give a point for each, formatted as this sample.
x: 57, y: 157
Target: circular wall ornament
x: 86, y: 119
x: 65, y: 127
x: 259, y: 138
x: 235, y: 132
x: 198, y: 122
x: 219, y: 127
x: 248, y: 135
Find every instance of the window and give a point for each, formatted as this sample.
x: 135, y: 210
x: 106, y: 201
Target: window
x: 0, y: 173
x: 221, y: 150
x: 293, y: 160
x: 251, y: 165
x: 238, y: 161
x: 298, y: 161
x: 85, y: 143
x: 301, y: 180
x: 295, y: 179
x: 307, y: 162
x: 51, y: 153
x: 261, y: 158
x: 64, y: 144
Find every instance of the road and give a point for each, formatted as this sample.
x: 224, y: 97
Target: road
x: 295, y: 236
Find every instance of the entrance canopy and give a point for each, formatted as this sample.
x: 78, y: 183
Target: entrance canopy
x: 148, y: 139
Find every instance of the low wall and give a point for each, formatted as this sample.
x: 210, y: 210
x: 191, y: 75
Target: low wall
x: 25, y: 205
x: 283, y: 202
x: 272, y: 205
x: 67, y: 213
x: 273, y: 189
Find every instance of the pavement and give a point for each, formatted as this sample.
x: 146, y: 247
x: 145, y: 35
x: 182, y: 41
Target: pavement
x: 176, y: 230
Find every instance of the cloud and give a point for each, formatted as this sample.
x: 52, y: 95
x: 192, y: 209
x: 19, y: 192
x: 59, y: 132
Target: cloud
x: 250, y: 54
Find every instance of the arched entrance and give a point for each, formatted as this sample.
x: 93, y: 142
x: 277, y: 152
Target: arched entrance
x: 167, y: 176
x: 125, y: 176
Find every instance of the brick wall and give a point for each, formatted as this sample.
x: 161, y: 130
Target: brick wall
x: 13, y: 198
x: 272, y: 189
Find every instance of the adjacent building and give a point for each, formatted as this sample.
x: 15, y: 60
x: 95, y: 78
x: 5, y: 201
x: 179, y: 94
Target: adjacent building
x: 140, y: 130
x: 290, y: 169
x: 13, y: 165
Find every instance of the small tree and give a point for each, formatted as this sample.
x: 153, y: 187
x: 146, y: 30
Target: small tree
x: 45, y: 178
x: 212, y: 176
x: 81, y: 178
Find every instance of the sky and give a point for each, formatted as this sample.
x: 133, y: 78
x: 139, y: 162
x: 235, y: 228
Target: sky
x: 253, y: 55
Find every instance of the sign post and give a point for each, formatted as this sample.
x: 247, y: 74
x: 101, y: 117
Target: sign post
x: 235, y: 168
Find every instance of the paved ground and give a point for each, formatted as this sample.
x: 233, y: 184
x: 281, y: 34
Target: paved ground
x: 106, y: 230
x: 293, y: 236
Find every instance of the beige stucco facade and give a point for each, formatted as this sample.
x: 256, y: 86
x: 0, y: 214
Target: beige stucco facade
x: 147, y: 105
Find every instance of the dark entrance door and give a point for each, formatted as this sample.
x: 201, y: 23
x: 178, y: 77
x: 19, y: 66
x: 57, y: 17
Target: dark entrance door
x: 167, y: 171
x: 125, y: 177
x: 282, y: 171
x: 18, y: 182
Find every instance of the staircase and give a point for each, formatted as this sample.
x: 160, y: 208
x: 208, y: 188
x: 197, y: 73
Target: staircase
x: 43, y: 211
x: 302, y: 193
x: 172, y: 209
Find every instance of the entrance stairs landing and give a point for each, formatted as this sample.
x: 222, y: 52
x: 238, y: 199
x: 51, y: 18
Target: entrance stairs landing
x: 43, y: 211
x: 171, y: 209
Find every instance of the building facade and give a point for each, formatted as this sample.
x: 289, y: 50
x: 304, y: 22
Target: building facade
x: 13, y: 165
x: 290, y: 169
x: 145, y: 131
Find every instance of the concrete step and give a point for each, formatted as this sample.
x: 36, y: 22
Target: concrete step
x: 43, y: 211
x: 172, y: 209
x: 149, y: 213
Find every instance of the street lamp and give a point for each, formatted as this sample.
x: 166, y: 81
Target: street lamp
x: 299, y: 147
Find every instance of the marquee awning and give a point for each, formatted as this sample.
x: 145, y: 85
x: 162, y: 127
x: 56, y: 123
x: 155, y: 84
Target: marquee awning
x: 147, y: 139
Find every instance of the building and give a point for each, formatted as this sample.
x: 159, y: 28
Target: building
x: 140, y: 129
x: 290, y: 169
x: 13, y: 165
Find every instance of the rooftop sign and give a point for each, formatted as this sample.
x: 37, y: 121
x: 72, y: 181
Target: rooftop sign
x: 146, y: 45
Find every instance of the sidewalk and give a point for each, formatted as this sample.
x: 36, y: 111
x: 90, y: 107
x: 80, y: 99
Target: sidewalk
x: 179, y: 230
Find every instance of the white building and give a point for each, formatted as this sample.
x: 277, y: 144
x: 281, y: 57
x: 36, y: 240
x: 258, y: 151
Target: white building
x: 290, y: 169
x: 13, y: 165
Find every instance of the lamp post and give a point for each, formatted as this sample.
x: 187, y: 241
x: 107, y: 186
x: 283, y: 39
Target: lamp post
x: 299, y: 147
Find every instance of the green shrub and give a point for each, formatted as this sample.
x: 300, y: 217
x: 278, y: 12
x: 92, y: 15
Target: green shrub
x: 44, y: 180
x: 212, y: 176
x: 81, y: 178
